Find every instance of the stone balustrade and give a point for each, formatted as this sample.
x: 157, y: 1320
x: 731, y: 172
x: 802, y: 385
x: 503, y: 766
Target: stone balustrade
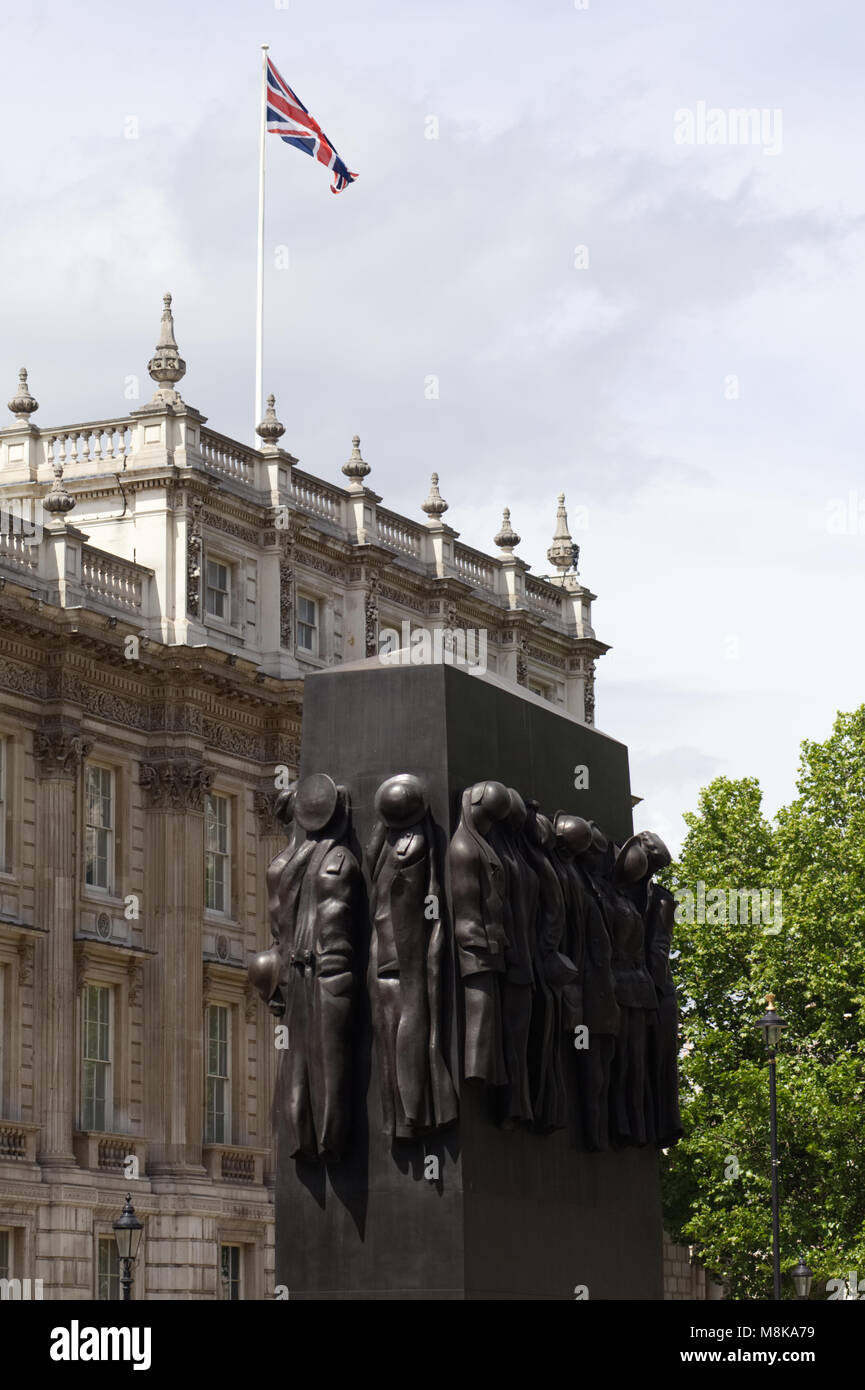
x: 18, y: 1141
x: 226, y: 456
x: 99, y: 441
x: 19, y: 551
x: 475, y: 567
x: 235, y: 1163
x: 402, y: 534
x: 109, y: 1153
x: 540, y: 593
x: 118, y: 583
x: 312, y: 495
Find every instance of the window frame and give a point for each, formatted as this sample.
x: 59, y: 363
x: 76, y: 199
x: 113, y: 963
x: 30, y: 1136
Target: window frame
x: 107, y: 1063
x: 225, y: 856
x: 228, y: 592
x: 114, y: 1273
x: 226, y: 1078
x: 110, y: 830
x: 239, y: 1249
x: 315, y: 627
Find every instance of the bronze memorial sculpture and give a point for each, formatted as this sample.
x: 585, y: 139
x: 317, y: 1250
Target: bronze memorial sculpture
x: 308, y: 977
x: 406, y: 962
x: 482, y: 1021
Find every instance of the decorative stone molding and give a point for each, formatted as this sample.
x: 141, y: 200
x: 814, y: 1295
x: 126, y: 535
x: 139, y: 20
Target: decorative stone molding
x: 193, y: 561
x: 60, y: 752
x: 136, y: 981
x: 286, y: 591
x: 371, y: 616
x: 175, y: 785
x: 263, y: 802
x: 230, y: 528
x: 589, y: 694
x: 83, y: 963
x: 522, y: 659
x: 315, y: 562
x: 251, y: 1004
x: 26, y: 962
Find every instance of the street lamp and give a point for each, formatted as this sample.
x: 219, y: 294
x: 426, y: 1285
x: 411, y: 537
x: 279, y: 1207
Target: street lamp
x: 802, y: 1278
x: 127, y: 1233
x: 772, y: 1027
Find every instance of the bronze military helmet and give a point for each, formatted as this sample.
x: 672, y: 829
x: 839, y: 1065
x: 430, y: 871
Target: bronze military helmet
x: 315, y: 801
x: 401, y: 801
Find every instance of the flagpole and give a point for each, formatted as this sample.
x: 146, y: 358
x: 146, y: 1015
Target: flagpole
x: 259, y: 314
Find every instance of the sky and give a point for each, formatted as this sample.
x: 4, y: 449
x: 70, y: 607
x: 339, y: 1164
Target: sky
x: 671, y: 333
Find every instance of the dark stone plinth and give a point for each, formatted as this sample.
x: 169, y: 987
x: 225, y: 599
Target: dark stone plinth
x: 513, y: 1214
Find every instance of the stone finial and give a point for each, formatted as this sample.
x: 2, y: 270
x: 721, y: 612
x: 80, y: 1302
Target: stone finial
x: 58, y: 500
x: 507, y: 538
x: 166, y: 366
x: 22, y: 403
x: 270, y: 429
x: 435, y: 504
x: 356, y: 468
x: 563, y: 553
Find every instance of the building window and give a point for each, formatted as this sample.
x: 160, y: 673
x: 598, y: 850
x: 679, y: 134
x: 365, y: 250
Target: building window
x: 217, y: 855
x: 538, y: 688
x: 217, y: 600
x: 99, y: 842
x: 96, y: 1078
x: 107, y: 1269
x: 217, y: 1124
x: 307, y: 625
x: 5, y: 1253
x: 231, y: 1265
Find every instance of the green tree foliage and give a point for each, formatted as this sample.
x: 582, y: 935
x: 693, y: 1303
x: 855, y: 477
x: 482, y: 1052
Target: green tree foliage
x: 717, y: 1179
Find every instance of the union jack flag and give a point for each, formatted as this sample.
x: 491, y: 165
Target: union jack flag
x: 288, y: 117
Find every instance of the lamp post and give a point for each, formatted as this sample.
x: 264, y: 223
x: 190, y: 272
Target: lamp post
x: 802, y: 1278
x: 127, y: 1233
x: 772, y: 1027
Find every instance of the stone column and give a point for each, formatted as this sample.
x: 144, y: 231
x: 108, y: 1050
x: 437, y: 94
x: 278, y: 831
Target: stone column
x: 59, y: 753
x: 174, y: 792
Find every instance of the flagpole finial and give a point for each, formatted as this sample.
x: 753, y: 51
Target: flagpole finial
x: 357, y: 468
x: 166, y: 366
x: 271, y: 429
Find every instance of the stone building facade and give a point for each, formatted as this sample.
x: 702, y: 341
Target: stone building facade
x: 163, y: 591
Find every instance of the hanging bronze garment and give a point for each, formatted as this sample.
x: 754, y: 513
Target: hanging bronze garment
x: 601, y: 1013
x: 660, y: 909
x: 406, y: 963
x: 310, y: 974
x: 635, y: 995
x: 553, y: 973
x: 520, y: 909
x: 477, y: 884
